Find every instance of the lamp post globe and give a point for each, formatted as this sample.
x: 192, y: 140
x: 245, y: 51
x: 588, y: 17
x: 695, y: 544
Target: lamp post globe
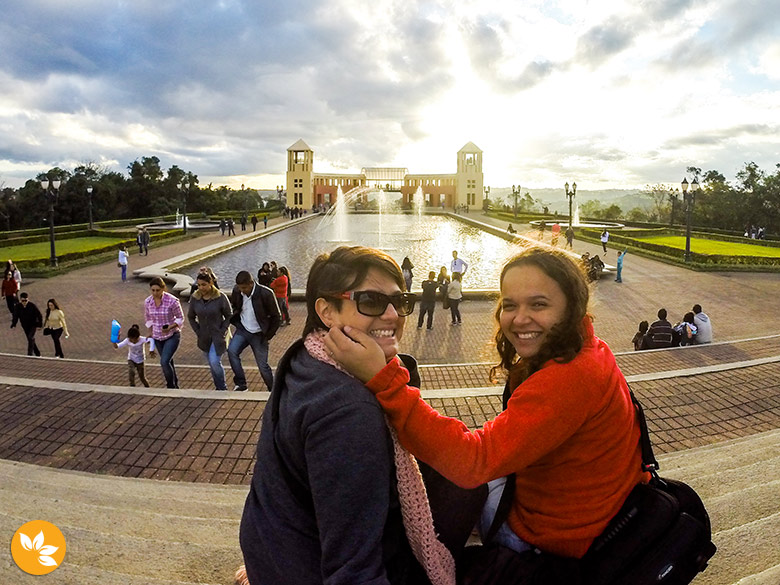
x: 570, y: 193
x: 89, y: 192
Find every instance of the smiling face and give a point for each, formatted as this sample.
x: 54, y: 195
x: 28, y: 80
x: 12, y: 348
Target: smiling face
x: 532, y: 303
x: 386, y: 329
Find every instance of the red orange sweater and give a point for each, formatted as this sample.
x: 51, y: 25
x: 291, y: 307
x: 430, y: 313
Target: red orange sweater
x: 569, y: 433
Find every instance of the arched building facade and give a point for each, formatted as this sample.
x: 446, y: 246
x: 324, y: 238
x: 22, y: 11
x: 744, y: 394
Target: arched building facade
x: 305, y: 188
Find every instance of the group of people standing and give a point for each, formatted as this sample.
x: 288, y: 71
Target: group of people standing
x: 448, y: 288
x: 694, y: 328
x: 251, y: 308
x: 277, y: 278
x: 27, y: 314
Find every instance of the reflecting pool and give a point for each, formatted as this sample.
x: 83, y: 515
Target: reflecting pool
x: 427, y: 240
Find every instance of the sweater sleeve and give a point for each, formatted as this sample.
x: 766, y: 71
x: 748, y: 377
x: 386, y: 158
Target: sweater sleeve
x: 348, y: 460
x: 543, y: 412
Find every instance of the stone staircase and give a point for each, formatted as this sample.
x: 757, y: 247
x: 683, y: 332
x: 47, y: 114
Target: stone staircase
x: 123, y: 531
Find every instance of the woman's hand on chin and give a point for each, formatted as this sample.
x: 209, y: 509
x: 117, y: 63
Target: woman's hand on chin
x: 356, y: 351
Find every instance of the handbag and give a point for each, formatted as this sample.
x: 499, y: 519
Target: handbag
x: 660, y: 536
x: 47, y: 330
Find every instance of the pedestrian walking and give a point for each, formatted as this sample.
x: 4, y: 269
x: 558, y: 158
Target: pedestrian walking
x: 406, y: 270
x: 231, y: 227
x: 281, y: 287
x: 256, y: 318
x: 136, y: 353
x: 555, y: 234
x: 55, y: 325
x: 604, y: 239
x: 209, y: 316
x: 222, y: 225
x: 14, y: 270
x: 146, y: 239
x: 26, y: 313
x: 122, y: 261
x: 621, y: 256
x: 165, y: 319
x: 570, y: 238
x: 265, y: 221
x: 254, y: 222
x: 455, y: 295
x: 139, y: 241
x: 428, y: 300
x: 10, y: 290
x: 443, y: 280
x: 243, y: 222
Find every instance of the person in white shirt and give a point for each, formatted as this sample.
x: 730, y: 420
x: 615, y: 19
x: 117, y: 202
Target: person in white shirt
x: 458, y: 264
x: 703, y: 325
x: 122, y: 261
x: 136, y: 354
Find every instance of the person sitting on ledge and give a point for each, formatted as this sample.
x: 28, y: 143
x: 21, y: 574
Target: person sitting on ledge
x: 568, y: 437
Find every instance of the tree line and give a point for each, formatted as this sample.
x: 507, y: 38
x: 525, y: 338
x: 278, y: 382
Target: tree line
x: 752, y: 200
x: 145, y: 191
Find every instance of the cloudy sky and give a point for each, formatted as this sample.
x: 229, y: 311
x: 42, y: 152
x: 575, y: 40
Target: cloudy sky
x: 609, y: 93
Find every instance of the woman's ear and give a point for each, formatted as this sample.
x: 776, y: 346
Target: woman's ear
x: 324, y: 310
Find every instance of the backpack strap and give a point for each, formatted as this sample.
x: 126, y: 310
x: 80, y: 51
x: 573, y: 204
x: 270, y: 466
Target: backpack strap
x: 649, y: 462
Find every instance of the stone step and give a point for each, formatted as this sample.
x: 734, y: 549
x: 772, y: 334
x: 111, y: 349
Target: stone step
x: 151, y: 497
x: 769, y: 577
x: 168, y: 561
x: 126, y: 531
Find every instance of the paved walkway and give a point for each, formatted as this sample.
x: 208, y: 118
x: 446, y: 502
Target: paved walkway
x: 78, y: 413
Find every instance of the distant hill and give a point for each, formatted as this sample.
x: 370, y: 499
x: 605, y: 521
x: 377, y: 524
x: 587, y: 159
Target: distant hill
x: 555, y: 199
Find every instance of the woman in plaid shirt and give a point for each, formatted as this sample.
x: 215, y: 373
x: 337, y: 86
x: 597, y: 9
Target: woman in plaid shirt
x: 164, y: 318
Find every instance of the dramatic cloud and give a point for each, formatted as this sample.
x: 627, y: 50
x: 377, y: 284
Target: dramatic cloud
x: 608, y: 93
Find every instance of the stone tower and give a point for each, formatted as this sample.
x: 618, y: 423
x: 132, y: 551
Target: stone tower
x: 469, y: 178
x: 300, y: 175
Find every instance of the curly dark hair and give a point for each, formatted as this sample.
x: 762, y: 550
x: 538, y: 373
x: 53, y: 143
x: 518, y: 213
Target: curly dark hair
x: 567, y: 337
x: 342, y: 270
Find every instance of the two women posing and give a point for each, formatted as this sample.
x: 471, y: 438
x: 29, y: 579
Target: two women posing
x: 327, y: 501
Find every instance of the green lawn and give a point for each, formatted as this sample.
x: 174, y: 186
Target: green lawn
x: 702, y: 246
x: 41, y: 250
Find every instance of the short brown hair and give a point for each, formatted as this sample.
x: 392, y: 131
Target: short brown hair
x: 567, y: 337
x: 157, y: 281
x: 342, y: 270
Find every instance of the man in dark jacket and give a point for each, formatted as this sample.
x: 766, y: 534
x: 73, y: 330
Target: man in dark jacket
x: 660, y: 333
x: 428, y: 300
x: 26, y: 313
x: 256, y: 318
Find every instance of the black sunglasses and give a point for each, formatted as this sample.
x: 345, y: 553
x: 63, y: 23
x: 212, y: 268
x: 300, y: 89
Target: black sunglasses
x: 373, y: 304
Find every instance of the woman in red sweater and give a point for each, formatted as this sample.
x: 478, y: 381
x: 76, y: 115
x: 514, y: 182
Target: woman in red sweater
x: 568, y: 432
x: 281, y: 288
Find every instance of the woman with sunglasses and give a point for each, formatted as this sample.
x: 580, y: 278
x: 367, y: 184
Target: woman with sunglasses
x: 330, y: 486
x: 568, y: 434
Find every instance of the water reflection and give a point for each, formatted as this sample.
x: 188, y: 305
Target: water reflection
x: 427, y: 240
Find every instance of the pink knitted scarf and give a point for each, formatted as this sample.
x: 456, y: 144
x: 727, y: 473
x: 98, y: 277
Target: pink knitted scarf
x: 434, y: 557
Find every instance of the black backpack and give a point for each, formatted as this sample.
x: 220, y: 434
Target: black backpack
x: 661, y: 535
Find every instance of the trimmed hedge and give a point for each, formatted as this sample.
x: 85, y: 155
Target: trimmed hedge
x: 71, y: 256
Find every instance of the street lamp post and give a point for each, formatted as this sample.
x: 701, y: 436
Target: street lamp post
x: 487, y: 197
x: 51, y: 188
x: 89, y: 192
x: 279, y: 192
x: 570, y: 194
x: 688, y: 197
x: 185, y: 192
x: 515, y: 193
